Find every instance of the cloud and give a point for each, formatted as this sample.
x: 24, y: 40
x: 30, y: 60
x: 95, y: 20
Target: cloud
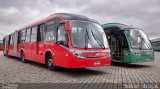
x: 143, y: 14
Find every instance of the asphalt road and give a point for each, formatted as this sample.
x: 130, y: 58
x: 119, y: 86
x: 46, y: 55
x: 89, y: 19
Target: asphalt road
x: 12, y: 70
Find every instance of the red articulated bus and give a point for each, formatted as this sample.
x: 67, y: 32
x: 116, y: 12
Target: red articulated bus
x: 63, y: 40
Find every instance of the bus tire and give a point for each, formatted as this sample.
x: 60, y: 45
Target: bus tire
x: 49, y: 63
x: 8, y: 55
x: 4, y: 53
x: 22, y: 57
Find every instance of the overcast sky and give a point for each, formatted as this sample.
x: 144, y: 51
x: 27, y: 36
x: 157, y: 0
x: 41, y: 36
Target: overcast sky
x: 144, y: 14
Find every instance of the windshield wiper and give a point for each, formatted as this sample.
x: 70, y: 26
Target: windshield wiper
x: 86, y: 40
x: 142, y: 39
x: 97, y: 39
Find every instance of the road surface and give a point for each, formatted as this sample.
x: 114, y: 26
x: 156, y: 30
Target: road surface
x: 12, y: 70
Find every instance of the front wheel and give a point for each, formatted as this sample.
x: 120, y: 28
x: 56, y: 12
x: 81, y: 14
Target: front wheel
x: 50, y: 63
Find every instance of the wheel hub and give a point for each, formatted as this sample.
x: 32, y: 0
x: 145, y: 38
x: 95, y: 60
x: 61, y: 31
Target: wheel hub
x: 50, y: 62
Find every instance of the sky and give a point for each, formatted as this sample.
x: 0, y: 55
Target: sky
x: 144, y: 14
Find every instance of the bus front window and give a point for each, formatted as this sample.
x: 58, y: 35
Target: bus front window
x: 86, y: 34
x: 138, y: 39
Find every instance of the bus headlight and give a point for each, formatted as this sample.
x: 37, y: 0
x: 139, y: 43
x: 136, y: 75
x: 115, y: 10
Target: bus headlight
x: 137, y: 54
x: 76, y: 53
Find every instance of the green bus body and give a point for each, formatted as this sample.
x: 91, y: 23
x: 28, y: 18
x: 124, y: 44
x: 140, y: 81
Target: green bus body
x: 121, y: 46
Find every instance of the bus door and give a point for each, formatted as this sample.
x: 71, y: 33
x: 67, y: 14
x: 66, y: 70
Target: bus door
x: 61, y: 40
x: 26, y: 46
x: 40, y: 44
x: 10, y: 48
x: 117, y: 42
x: 15, y: 39
x: 119, y: 45
x: 33, y: 44
x: 4, y: 45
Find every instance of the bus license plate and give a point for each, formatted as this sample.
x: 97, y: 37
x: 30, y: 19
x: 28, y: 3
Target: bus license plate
x: 97, y: 63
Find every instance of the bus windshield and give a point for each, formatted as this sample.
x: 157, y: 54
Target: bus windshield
x: 138, y: 39
x: 86, y: 34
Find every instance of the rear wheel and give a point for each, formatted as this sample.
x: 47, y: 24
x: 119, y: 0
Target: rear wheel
x: 4, y: 53
x: 7, y: 55
x: 22, y: 58
x: 49, y: 62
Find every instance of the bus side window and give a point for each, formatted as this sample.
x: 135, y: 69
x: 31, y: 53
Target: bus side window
x: 11, y: 39
x: 50, y: 33
x: 4, y: 41
x: 50, y: 30
x: 8, y: 40
x: 28, y: 35
x: 34, y: 34
x: 19, y: 37
x: 40, y: 34
x: 22, y: 36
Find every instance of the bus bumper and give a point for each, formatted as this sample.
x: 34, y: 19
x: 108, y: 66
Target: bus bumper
x: 84, y: 63
x: 143, y: 56
x: 142, y: 59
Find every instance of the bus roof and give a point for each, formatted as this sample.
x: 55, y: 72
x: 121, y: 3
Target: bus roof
x: 69, y: 16
x: 62, y: 16
x: 116, y: 25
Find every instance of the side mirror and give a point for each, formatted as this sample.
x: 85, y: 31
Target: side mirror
x: 65, y: 43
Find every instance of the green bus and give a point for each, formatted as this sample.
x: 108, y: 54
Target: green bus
x: 128, y: 44
x: 156, y: 44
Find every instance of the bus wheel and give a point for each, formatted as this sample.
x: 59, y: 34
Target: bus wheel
x: 50, y: 63
x: 7, y: 55
x: 22, y: 58
x: 4, y: 53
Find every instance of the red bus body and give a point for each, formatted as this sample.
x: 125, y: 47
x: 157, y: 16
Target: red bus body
x: 36, y: 50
